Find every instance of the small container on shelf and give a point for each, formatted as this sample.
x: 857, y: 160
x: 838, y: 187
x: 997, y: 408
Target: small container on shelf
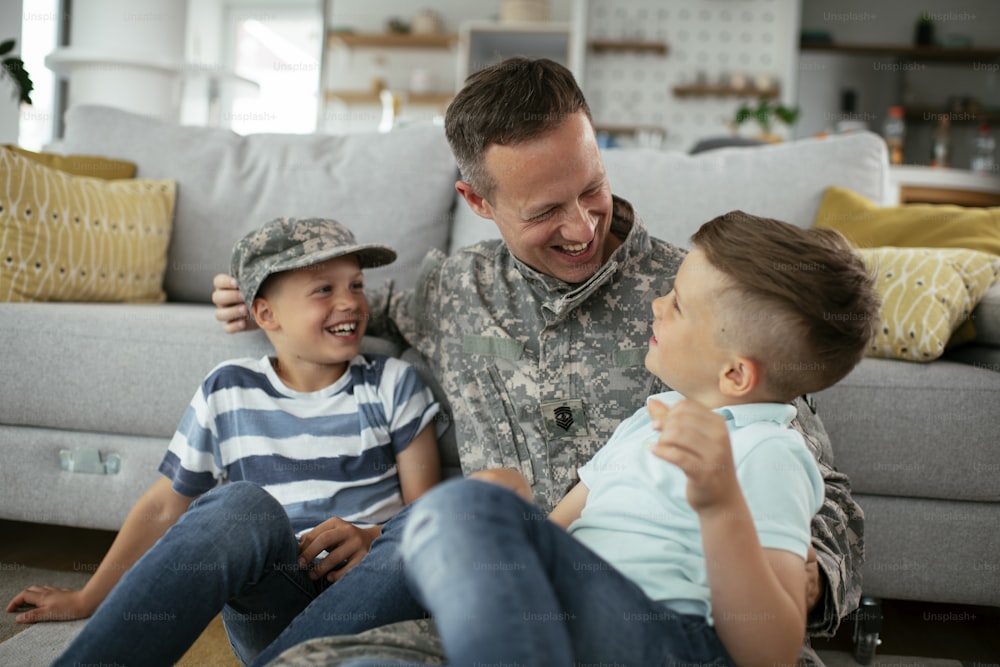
x: 894, y: 132
x: 983, y: 151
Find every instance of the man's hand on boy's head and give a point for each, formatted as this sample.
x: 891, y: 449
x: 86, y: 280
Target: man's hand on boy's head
x: 345, y: 544
x: 696, y: 440
x: 229, y: 306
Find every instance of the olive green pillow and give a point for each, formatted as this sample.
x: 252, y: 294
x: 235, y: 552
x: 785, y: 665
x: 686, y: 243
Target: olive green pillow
x: 867, y: 225
x: 80, y: 165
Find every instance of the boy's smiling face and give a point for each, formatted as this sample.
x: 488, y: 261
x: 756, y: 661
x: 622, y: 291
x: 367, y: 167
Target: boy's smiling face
x: 683, y: 350
x: 315, y: 317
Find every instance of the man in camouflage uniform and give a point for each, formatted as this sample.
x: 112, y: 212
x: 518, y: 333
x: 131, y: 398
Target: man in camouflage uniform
x: 539, y: 340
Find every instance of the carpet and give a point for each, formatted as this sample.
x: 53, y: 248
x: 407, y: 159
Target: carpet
x: 39, y: 644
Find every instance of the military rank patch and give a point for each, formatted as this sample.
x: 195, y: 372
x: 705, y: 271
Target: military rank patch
x: 564, y: 419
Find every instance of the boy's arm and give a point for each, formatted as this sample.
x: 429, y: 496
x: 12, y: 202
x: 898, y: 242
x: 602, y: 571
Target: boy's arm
x: 419, y: 469
x: 151, y: 516
x: 570, y: 507
x: 758, y: 600
x: 419, y: 465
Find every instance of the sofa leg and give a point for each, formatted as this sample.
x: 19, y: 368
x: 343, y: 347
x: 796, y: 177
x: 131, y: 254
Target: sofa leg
x: 867, y: 626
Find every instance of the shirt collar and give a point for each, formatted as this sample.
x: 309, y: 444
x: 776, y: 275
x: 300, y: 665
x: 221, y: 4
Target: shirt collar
x: 738, y: 416
x: 562, y: 296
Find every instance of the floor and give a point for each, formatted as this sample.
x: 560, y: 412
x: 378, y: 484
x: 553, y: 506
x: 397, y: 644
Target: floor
x: 970, y: 634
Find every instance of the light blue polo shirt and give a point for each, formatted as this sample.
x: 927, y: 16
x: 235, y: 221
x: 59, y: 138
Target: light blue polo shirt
x: 638, y: 519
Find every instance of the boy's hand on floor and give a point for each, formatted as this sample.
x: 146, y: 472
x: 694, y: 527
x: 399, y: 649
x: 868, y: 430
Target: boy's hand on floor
x: 50, y: 604
x: 345, y: 544
x: 696, y: 440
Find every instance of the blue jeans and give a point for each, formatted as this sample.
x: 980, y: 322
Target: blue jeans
x: 507, y: 586
x: 232, y: 551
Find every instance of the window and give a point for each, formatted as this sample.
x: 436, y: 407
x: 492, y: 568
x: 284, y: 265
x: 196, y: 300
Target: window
x: 39, y: 35
x: 280, y: 49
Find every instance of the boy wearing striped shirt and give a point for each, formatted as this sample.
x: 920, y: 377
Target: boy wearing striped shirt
x: 280, y: 475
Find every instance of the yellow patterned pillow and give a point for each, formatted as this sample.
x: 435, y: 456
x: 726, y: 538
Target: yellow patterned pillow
x: 74, y: 238
x: 927, y: 293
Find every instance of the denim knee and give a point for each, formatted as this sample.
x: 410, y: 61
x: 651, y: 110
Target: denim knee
x: 454, y: 509
x: 237, y: 505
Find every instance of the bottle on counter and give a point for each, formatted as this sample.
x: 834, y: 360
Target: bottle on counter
x: 941, y: 151
x: 983, y: 148
x: 894, y: 131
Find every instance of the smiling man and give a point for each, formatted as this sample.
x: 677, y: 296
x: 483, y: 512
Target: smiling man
x: 539, y: 339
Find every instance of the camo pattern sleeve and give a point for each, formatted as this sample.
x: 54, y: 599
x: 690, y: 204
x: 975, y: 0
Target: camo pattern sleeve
x: 539, y: 372
x: 837, y: 530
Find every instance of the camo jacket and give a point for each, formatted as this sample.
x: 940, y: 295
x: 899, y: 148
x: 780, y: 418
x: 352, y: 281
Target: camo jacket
x: 539, y: 373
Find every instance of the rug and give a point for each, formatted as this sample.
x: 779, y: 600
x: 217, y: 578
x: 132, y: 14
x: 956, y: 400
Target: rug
x: 39, y: 644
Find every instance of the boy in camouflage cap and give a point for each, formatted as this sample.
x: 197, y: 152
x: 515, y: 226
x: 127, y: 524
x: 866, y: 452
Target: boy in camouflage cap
x: 281, y: 474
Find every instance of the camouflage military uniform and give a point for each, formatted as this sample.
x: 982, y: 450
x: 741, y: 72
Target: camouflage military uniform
x: 539, y: 373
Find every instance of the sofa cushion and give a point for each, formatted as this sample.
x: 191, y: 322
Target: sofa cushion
x: 160, y: 355
x: 672, y: 192
x: 868, y: 225
x: 395, y: 188
x: 986, y: 317
x: 920, y: 430
x: 75, y: 238
x: 927, y: 293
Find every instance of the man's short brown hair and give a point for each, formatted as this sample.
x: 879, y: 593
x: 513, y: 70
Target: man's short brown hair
x: 800, y: 302
x: 508, y: 103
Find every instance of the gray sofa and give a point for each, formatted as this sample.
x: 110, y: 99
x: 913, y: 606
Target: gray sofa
x: 93, y: 392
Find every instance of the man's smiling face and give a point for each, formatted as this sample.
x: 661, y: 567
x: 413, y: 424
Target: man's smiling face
x: 552, y: 202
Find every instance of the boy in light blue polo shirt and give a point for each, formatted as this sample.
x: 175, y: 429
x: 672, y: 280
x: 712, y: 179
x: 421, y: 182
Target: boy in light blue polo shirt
x: 685, y: 541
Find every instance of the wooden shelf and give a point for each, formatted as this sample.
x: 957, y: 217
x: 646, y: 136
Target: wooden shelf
x: 605, y: 45
x: 390, y: 40
x: 371, y: 97
x: 702, y: 90
x: 926, y: 53
x: 934, y: 114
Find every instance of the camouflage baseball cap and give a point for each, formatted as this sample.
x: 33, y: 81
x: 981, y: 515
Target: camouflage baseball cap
x: 284, y: 244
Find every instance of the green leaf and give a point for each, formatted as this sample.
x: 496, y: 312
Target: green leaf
x: 7, y: 46
x: 14, y: 68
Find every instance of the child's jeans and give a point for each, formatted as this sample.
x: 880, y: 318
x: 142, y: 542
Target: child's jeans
x: 508, y: 587
x: 233, y: 551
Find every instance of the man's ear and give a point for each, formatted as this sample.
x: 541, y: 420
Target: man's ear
x: 739, y: 377
x: 476, y: 201
x: 263, y: 315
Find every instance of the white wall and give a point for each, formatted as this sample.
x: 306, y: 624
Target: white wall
x: 10, y: 19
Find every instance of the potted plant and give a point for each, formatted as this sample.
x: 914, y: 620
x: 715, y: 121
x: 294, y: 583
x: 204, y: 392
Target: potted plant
x: 765, y: 113
x: 12, y: 67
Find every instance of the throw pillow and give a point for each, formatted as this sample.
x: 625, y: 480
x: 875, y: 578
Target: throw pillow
x: 80, y: 165
x: 74, y: 238
x: 927, y: 294
x: 868, y: 225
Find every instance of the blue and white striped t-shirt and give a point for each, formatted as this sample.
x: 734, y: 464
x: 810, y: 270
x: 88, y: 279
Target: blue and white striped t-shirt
x: 320, y: 454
